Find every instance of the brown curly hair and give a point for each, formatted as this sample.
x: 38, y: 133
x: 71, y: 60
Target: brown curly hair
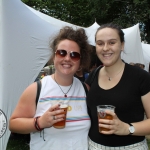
x: 77, y: 35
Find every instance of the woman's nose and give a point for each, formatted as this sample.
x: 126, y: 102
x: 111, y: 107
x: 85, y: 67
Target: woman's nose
x: 67, y: 57
x: 105, y: 48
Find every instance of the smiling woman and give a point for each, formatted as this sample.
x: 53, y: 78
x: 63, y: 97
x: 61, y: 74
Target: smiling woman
x: 70, y: 50
x: 124, y: 86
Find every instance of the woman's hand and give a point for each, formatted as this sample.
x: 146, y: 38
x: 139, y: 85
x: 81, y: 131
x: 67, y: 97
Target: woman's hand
x: 115, y: 126
x: 51, y: 116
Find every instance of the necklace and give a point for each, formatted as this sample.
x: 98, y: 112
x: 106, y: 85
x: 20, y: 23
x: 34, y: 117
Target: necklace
x: 65, y: 94
x: 110, y: 78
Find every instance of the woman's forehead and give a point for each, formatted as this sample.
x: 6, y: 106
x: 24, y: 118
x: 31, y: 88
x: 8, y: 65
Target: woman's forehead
x: 107, y: 34
x: 107, y: 31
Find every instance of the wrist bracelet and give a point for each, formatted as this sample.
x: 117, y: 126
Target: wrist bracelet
x: 36, y: 124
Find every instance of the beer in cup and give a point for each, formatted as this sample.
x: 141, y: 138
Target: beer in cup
x: 61, y: 124
x: 102, y: 114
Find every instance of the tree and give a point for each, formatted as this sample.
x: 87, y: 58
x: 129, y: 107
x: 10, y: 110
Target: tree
x: 125, y: 13
x: 133, y: 12
x: 84, y: 12
x: 72, y: 11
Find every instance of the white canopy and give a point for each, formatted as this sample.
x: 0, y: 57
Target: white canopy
x: 146, y: 53
x: 133, y: 48
x: 24, y: 50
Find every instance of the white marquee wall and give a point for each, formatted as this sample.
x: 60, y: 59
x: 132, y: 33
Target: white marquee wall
x: 146, y: 54
x: 24, y: 52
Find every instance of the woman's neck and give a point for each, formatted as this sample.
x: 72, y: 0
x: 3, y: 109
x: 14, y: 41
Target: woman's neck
x: 115, y: 69
x: 62, y: 80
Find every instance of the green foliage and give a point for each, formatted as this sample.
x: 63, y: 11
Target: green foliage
x: 133, y: 12
x: 148, y: 142
x: 84, y: 12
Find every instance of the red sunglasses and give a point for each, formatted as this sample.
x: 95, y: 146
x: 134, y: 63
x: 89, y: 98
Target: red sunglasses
x: 61, y: 53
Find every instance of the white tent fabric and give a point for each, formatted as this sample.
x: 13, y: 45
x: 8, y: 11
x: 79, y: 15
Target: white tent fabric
x: 146, y: 53
x: 24, y: 50
x: 131, y: 46
x: 133, y: 49
x: 91, y: 33
x: 53, y: 21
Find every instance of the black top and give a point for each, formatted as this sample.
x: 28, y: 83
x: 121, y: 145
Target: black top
x: 126, y: 97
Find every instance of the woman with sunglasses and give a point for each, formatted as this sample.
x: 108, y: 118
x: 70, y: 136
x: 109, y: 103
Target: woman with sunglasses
x: 124, y: 86
x: 70, y: 51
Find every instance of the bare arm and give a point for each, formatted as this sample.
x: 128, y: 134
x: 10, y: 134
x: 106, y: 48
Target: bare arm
x: 118, y: 127
x: 143, y: 127
x: 22, y: 119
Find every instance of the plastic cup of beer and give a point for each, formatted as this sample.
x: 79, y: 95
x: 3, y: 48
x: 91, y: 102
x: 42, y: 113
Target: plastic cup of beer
x: 102, y: 114
x: 61, y: 124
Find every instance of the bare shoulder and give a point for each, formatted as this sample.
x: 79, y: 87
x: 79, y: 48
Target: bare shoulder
x: 29, y: 93
x: 26, y: 106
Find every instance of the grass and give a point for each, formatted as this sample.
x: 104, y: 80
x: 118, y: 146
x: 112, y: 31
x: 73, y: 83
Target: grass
x: 21, y: 142
x: 148, y: 142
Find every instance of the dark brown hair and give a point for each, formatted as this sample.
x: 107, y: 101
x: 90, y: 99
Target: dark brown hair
x: 112, y: 26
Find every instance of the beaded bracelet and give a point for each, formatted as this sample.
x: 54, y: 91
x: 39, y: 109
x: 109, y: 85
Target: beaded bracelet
x: 36, y: 124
